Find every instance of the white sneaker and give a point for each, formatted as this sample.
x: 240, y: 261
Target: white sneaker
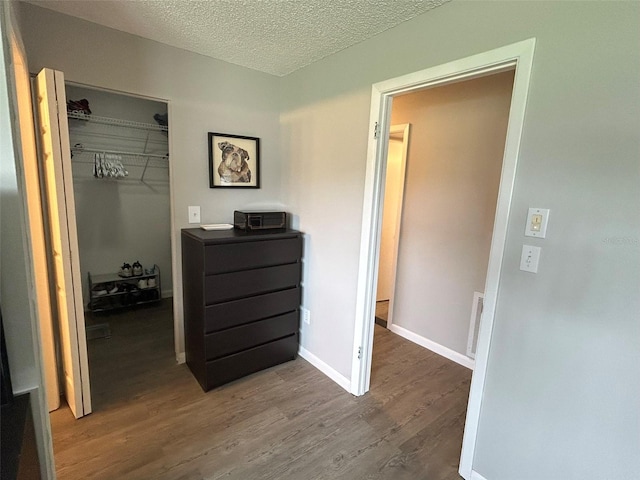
x: 142, y: 283
x: 151, y: 282
x: 125, y: 270
x: 136, y: 269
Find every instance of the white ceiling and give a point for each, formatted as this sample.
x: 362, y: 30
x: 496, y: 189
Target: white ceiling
x: 273, y: 36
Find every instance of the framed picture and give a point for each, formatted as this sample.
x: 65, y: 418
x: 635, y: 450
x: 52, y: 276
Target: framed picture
x: 234, y: 161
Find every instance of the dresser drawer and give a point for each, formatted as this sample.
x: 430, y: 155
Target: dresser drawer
x: 229, y: 286
x: 246, y: 310
x: 231, y: 257
x: 226, y: 369
x: 233, y: 340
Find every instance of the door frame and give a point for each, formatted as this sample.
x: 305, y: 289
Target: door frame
x: 405, y: 129
x: 518, y: 56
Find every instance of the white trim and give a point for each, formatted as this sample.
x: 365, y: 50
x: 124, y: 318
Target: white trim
x: 518, y: 55
x: 476, y: 476
x: 326, y: 369
x: 181, y: 358
x: 176, y: 252
x: 369, y: 243
x: 434, y: 347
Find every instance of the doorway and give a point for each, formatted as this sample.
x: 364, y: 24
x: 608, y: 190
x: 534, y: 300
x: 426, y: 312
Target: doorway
x: 120, y: 161
x: 518, y: 56
x: 450, y: 194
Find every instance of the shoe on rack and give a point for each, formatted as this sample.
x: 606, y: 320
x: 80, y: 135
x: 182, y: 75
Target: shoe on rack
x: 137, y: 269
x: 162, y: 119
x: 98, y: 291
x: 125, y: 270
x: 142, y: 283
x: 151, y: 283
x: 79, y: 106
x: 112, y: 287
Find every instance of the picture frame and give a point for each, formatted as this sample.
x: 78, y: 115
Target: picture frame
x: 234, y: 161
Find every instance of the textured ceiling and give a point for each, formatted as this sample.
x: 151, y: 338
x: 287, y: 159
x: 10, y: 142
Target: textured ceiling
x: 273, y: 36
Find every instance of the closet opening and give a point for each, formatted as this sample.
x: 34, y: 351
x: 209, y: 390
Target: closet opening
x: 119, y: 145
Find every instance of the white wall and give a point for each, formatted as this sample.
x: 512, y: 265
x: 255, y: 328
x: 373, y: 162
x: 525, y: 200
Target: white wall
x: 204, y: 95
x: 452, y: 179
x: 134, y: 221
x: 564, y: 369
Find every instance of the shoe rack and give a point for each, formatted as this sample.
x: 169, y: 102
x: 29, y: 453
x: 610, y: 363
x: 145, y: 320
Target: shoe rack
x: 141, y: 139
x: 110, y: 291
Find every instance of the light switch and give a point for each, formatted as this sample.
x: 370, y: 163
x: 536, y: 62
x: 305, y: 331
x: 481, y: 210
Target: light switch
x: 537, y: 219
x: 530, y: 258
x: 194, y: 214
x: 536, y: 222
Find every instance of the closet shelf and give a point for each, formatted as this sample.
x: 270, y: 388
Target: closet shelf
x: 117, y: 122
x: 118, y: 152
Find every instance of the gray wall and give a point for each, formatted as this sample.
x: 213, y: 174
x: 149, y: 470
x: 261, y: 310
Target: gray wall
x: 454, y: 162
x: 204, y: 95
x: 17, y: 275
x: 123, y: 220
x: 563, y: 376
x: 14, y: 283
x: 564, y: 372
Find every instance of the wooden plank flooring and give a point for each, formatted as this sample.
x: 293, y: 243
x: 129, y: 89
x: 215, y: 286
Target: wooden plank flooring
x: 151, y: 420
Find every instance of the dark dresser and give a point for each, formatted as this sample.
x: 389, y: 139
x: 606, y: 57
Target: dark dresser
x: 241, y: 294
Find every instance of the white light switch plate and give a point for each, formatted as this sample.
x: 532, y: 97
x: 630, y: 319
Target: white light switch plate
x: 530, y: 258
x: 537, y: 228
x: 194, y: 214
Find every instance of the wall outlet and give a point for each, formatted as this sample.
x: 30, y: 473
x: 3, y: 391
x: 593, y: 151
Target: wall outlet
x: 530, y: 258
x: 194, y: 214
x: 306, y: 315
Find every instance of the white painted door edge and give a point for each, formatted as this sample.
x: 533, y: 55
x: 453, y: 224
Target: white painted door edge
x: 518, y: 55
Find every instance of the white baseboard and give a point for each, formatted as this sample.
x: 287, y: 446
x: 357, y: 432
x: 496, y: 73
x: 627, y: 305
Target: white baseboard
x: 433, y: 346
x: 326, y: 369
x: 476, y: 476
x: 181, y: 358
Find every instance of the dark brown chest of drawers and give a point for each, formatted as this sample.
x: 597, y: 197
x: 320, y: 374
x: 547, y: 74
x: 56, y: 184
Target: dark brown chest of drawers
x: 241, y: 301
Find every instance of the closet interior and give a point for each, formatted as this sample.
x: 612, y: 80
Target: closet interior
x: 120, y: 163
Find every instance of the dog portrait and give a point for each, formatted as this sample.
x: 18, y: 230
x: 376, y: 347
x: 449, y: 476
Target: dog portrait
x: 234, y: 166
x: 233, y: 161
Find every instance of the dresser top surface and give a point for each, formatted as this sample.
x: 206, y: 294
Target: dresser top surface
x: 235, y: 235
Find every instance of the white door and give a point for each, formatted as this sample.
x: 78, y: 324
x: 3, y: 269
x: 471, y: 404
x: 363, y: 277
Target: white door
x: 392, y: 210
x: 56, y: 157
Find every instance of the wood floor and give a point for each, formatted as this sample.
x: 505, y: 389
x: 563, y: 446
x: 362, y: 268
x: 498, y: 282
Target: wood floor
x: 151, y: 420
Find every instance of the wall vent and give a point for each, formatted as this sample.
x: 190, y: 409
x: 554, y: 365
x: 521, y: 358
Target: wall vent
x: 474, y: 323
